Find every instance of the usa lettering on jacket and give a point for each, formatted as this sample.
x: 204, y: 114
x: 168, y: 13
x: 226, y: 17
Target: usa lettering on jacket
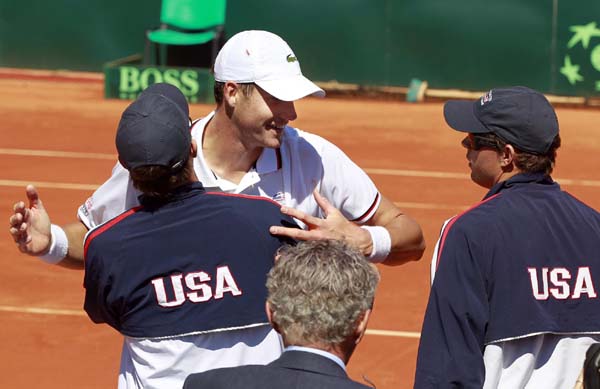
x: 559, y: 283
x: 197, y: 288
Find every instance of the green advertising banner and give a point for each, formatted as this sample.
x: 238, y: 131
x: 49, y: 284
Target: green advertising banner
x: 578, y: 48
x: 550, y: 45
x: 126, y: 78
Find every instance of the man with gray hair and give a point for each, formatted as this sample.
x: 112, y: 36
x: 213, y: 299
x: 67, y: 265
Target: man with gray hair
x: 320, y: 296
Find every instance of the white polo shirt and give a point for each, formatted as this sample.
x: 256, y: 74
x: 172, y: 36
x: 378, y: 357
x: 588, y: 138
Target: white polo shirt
x: 287, y: 175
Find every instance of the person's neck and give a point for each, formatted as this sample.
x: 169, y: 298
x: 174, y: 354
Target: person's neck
x: 339, y: 350
x: 506, y: 175
x: 224, y: 152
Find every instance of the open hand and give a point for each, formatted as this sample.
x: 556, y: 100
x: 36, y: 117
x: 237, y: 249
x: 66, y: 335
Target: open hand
x: 333, y: 226
x: 30, y: 224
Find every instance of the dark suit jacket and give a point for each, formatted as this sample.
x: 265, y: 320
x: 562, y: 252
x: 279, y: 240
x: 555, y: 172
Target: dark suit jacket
x: 293, y: 370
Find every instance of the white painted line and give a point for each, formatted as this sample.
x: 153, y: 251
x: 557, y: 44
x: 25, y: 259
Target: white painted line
x: 58, y: 154
x: 417, y: 173
x: 43, y: 311
x: 374, y: 171
x: 73, y: 312
x: 52, y: 185
x: 566, y: 181
x: 405, y: 205
x: 398, y: 334
x: 88, y: 187
x: 461, y: 176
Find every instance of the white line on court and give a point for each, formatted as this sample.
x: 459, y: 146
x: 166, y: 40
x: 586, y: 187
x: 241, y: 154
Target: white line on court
x: 42, y: 311
x: 398, y: 334
x: 88, y: 187
x: 436, y: 206
x: 74, y: 312
x: 417, y: 173
x: 45, y: 184
x: 461, y: 176
x: 58, y: 154
x: 374, y: 171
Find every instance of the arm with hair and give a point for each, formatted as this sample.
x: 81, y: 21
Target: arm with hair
x: 406, y: 238
x: 348, y: 199
x: 407, y: 242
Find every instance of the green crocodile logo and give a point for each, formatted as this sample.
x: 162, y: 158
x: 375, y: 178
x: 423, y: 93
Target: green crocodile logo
x: 291, y: 58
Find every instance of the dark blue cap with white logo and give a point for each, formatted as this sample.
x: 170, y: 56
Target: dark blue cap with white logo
x: 519, y: 115
x: 155, y: 129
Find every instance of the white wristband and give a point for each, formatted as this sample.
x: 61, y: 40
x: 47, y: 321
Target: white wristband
x: 382, y: 243
x: 59, y: 246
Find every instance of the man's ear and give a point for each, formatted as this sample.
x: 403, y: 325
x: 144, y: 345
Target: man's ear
x: 231, y: 93
x: 507, y: 157
x: 361, y: 326
x: 269, y: 311
x: 193, y: 149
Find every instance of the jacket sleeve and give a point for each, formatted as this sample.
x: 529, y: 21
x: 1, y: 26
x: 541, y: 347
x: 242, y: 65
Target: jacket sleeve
x: 452, y: 338
x: 97, y: 286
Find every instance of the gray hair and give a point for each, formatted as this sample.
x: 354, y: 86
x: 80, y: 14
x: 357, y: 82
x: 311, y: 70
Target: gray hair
x: 318, y: 291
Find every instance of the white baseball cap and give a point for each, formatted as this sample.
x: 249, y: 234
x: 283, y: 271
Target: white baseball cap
x: 265, y: 59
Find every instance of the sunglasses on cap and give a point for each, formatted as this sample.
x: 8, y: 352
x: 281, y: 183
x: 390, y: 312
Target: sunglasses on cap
x: 477, y: 142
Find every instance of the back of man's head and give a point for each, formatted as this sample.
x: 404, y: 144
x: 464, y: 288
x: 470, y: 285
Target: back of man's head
x: 319, y: 291
x: 153, y: 140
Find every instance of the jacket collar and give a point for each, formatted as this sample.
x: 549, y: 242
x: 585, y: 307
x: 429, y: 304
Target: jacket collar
x: 520, y: 179
x: 302, y: 360
x: 179, y: 193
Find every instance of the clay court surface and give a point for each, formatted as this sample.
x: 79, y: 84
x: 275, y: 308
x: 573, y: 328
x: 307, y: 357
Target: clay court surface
x: 59, y: 135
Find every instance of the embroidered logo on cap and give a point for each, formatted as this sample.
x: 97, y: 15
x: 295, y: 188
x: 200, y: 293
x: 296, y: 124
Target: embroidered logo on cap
x: 486, y: 98
x: 291, y: 58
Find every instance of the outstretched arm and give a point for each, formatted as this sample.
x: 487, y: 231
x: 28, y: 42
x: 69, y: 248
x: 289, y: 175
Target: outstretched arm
x: 30, y: 228
x: 407, y: 242
x: 405, y: 236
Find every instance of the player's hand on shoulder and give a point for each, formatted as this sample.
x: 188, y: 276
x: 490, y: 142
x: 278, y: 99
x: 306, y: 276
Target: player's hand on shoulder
x: 333, y: 226
x: 30, y: 224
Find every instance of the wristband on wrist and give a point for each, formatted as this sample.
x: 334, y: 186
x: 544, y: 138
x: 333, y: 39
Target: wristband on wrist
x: 59, y: 246
x: 382, y: 243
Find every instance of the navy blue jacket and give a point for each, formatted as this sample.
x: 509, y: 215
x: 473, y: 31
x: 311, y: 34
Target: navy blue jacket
x: 195, y: 264
x: 524, y: 261
x: 293, y: 370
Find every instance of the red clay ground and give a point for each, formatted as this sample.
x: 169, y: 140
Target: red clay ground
x: 55, y: 349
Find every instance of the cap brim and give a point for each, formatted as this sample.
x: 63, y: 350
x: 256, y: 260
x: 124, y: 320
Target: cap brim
x: 291, y: 89
x: 460, y: 116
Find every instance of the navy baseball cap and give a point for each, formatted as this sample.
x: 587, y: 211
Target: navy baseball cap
x: 518, y: 115
x: 155, y: 129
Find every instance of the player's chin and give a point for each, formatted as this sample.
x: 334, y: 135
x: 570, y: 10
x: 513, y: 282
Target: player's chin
x: 272, y: 143
x: 273, y: 138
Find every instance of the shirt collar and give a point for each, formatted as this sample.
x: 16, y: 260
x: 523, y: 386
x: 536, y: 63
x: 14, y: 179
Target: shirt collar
x: 322, y: 353
x: 523, y: 178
